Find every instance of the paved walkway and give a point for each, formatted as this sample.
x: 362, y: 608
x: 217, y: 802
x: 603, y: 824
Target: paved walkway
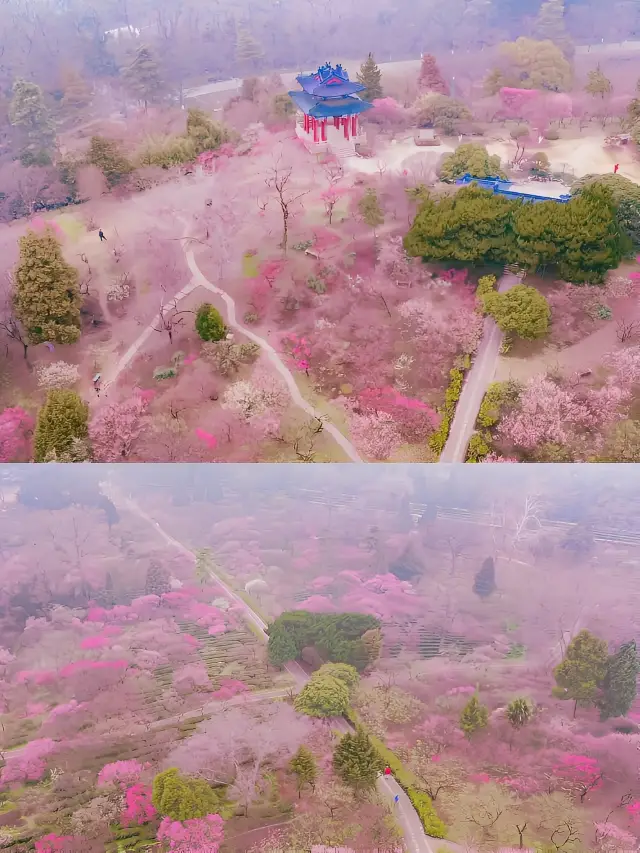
x: 476, y: 384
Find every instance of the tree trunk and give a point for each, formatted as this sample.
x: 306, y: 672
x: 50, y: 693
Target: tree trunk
x: 575, y: 708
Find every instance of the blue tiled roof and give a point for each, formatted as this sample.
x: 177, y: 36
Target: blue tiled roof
x: 338, y: 89
x: 319, y: 108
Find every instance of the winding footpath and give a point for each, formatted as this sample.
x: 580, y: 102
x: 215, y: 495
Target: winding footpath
x: 477, y: 382
x: 200, y: 280
x: 416, y: 840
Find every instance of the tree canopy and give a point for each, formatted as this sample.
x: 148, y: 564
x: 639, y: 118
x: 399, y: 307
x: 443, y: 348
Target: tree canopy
x: 581, y: 238
x: 61, y: 421
x: 356, y: 760
x: 582, y: 670
x: 530, y: 64
x: 620, y: 683
x: 470, y: 159
x: 522, y: 310
x: 46, y: 295
x: 337, y: 637
x: 182, y: 798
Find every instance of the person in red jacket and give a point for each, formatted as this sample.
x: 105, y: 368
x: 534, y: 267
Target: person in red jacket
x: 387, y: 771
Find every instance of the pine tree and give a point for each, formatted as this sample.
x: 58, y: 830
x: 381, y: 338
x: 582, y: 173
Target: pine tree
x: 550, y: 25
x: 582, y: 671
x: 142, y: 77
x: 370, y: 76
x: 282, y: 647
x: 484, y: 583
x: 46, y: 296
x: 204, y: 565
x: 370, y: 210
x: 620, y: 683
x: 598, y: 84
x: 158, y: 580
x: 474, y: 716
x: 431, y: 79
x: 105, y: 154
x: 372, y: 642
x: 303, y: 765
x: 29, y: 114
x: 356, y: 761
x: 77, y: 93
x: 62, y: 418
x: 248, y: 50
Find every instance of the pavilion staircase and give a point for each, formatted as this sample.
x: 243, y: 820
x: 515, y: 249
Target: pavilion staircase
x: 344, y: 150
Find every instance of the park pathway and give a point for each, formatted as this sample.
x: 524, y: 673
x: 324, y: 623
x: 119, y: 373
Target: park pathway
x: 200, y: 280
x: 477, y: 382
x: 416, y: 840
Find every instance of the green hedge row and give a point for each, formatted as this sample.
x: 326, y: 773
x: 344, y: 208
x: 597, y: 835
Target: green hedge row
x: 451, y: 397
x: 421, y: 802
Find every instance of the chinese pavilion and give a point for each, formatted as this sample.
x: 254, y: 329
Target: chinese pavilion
x: 328, y: 110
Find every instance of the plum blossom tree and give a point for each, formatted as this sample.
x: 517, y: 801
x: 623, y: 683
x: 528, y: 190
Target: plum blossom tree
x: 53, y: 843
x: 375, y: 434
x: 203, y: 835
x: 138, y: 806
x: 612, y: 839
x: 120, y: 773
x: 16, y: 427
x: 29, y: 764
x: 59, y: 374
x: 116, y: 427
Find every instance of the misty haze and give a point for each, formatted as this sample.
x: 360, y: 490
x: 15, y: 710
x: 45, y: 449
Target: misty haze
x: 320, y: 232
x: 284, y: 658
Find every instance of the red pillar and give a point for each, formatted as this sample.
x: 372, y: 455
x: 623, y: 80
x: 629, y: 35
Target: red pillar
x: 315, y: 130
x: 336, y: 122
x: 354, y: 125
x: 345, y: 126
x: 324, y: 130
x: 306, y: 123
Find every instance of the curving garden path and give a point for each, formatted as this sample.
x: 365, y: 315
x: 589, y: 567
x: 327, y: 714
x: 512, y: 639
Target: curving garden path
x: 200, y: 280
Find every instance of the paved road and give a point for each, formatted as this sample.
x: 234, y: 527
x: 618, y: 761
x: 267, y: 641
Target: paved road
x: 415, y: 838
x: 475, y: 387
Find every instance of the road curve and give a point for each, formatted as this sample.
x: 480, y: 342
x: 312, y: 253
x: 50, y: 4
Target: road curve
x: 477, y: 382
x: 416, y: 840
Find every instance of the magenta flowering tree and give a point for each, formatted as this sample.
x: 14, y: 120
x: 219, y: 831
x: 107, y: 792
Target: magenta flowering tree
x: 200, y: 835
x: 15, y: 430
x: 579, y: 772
x: 138, y: 806
x: 121, y: 773
x: 300, y: 351
x: 53, y: 843
x: 28, y: 764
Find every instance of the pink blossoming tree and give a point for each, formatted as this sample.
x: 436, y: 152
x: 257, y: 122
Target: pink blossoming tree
x: 200, y: 835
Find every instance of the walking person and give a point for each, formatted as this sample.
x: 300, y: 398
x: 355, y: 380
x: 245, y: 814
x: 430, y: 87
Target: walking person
x: 101, y: 236
x: 616, y: 168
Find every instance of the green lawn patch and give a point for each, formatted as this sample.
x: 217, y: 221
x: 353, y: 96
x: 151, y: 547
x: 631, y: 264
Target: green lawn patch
x: 250, y: 265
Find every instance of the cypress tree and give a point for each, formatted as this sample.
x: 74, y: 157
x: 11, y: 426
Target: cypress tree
x: 484, y: 583
x: 474, y: 716
x: 370, y: 76
x: 620, y: 683
x: 304, y: 766
x: 143, y: 77
x: 62, y: 419
x: 356, y: 761
x: 46, y: 296
x: 158, y: 580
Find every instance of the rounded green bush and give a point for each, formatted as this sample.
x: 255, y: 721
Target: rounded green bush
x: 209, y: 323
